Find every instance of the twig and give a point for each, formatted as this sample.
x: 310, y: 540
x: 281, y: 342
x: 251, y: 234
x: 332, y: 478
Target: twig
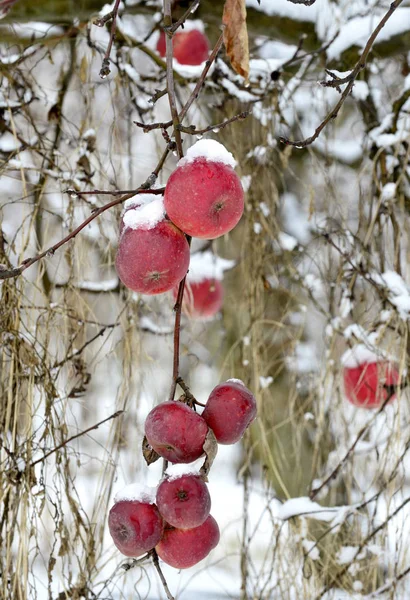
x: 305, y: 2
x: 84, y: 346
x: 73, y: 437
x: 170, y: 76
x: 161, y: 574
x: 105, y: 67
x: 177, y: 330
x: 184, y: 17
x: 350, y: 79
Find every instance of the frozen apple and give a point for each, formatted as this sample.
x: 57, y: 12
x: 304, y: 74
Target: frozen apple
x: 184, y: 548
x: 176, y: 432
x: 135, y: 527
x: 184, y: 501
x: 364, y: 384
x: 190, y: 45
x: 231, y: 407
x: 153, y: 254
x: 204, y: 195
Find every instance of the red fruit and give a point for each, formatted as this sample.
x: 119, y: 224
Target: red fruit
x: 190, y: 47
x: 184, y: 502
x: 204, y: 195
x: 231, y: 407
x: 364, y: 383
x: 201, y: 299
x: 153, y: 255
x: 176, y: 432
x: 183, y: 548
x: 135, y: 527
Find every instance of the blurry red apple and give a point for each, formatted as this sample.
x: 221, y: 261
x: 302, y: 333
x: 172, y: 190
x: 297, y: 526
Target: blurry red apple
x: 176, y: 432
x: 204, y: 195
x: 190, y: 47
x: 135, y: 527
x: 364, y: 383
x: 183, y: 548
x: 202, y: 299
x: 184, y: 502
x: 231, y: 407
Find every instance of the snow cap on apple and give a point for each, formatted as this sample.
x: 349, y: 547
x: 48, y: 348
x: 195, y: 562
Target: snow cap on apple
x: 204, y: 196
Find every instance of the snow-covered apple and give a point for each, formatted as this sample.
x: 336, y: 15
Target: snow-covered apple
x: 190, y: 45
x: 204, y: 195
x: 135, y: 527
x: 184, y: 548
x: 176, y: 432
x: 230, y: 409
x: 153, y: 254
x: 184, y: 501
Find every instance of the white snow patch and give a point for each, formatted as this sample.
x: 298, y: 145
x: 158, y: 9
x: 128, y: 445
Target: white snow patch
x: 192, y: 25
x: 246, y: 182
x: 286, y: 241
x: 398, y: 291
x: 361, y: 354
x: 311, y: 549
x: 346, y: 554
x: 98, y: 286
x: 265, y: 382
x: 257, y: 228
x: 146, y: 212
x: 235, y: 380
x: 389, y: 192
x: 206, y: 265
x: 179, y: 470
x: 136, y: 492
x: 296, y: 507
x: 210, y: 150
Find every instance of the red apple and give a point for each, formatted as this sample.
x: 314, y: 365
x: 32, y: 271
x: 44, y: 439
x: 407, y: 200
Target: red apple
x: 190, y: 47
x: 153, y: 254
x: 176, y: 432
x: 184, y: 502
x: 202, y: 299
x: 231, y: 407
x: 135, y: 527
x: 184, y: 548
x: 204, y: 195
x: 364, y: 383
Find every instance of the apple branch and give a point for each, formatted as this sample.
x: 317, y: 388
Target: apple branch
x: 105, y: 67
x: 349, y: 79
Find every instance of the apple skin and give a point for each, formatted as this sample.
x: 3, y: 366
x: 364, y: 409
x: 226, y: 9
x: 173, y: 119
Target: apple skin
x: 152, y: 261
x: 364, y: 384
x: 189, y: 47
x: 184, y: 548
x: 135, y: 527
x: 204, y: 198
x: 202, y: 300
x: 230, y: 409
x: 184, y: 502
x: 176, y: 432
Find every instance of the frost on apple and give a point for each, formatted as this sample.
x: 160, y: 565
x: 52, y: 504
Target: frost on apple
x: 184, y: 548
x: 135, y: 527
x: 230, y: 409
x: 176, y: 432
x: 204, y: 195
x: 153, y: 254
x: 184, y: 501
x: 190, y: 46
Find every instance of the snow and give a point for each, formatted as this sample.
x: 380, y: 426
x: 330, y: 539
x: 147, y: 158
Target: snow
x: 210, y: 150
x: 235, y: 380
x: 136, y: 492
x: 175, y: 471
x: 311, y: 549
x: 191, y: 25
x: 346, y: 554
x: 8, y: 143
x: 357, y: 31
x: 265, y: 382
x: 207, y: 265
x: 361, y: 354
x: 144, y: 212
x: 98, y: 286
x: 398, y: 291
x: 33, y: 30
x: 297, y: 507
x: 389, y: 192
x: 287, y: 242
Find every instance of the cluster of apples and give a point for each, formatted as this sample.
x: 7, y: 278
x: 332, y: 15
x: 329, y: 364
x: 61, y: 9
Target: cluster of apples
x: 176, y: 522
x: 203, y: 198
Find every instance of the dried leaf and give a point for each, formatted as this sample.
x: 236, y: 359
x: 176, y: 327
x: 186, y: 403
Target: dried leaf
x: 211, y: 450
x: 236, y: 36
x: 148, y: 452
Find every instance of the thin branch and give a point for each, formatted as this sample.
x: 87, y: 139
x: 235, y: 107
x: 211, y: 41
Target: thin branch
x: 170, y: 76
x: 305, y: 2
x: 105, y: 67
x: 184, y: 17
x: 177, y: 331
x: 74, y: 437
x: 161, y: 574
x: 350, y: 79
